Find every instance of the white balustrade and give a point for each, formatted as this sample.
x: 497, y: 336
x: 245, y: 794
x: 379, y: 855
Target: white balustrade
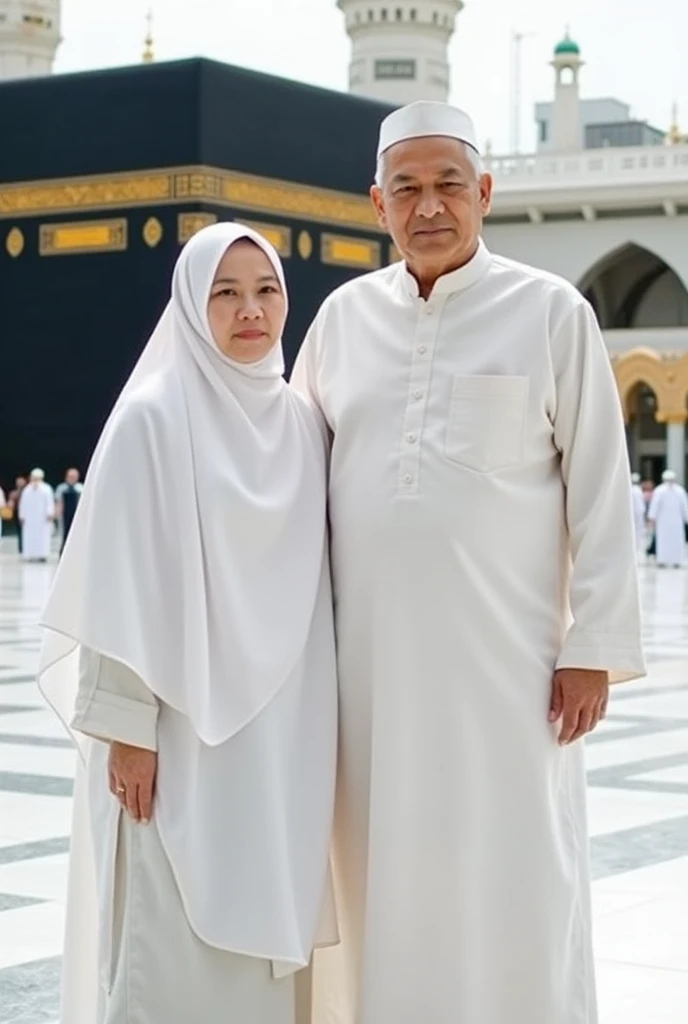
x: 606, y: 166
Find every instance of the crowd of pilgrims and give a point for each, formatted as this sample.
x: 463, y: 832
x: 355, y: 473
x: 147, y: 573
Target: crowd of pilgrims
x: 660, y: 516
x: 37, y: 511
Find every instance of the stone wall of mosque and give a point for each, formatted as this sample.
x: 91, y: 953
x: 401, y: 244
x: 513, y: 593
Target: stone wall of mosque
x: 578, y: 249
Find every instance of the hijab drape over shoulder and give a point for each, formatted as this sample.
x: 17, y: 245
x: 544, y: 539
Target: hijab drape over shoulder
x: 202, y: 509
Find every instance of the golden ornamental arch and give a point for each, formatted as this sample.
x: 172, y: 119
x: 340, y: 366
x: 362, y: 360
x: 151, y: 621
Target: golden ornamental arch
x: 666, y: 375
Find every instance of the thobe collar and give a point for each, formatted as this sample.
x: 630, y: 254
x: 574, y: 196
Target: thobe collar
x: 456, y: 280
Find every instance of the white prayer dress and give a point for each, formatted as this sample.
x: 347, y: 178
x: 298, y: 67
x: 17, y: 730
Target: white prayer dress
x: 196, y: 620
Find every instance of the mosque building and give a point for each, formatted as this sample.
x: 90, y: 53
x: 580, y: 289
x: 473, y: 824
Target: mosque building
x: 603, y: 200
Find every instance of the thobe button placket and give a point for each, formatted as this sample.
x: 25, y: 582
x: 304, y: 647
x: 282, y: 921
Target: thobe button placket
x: 425, y: 335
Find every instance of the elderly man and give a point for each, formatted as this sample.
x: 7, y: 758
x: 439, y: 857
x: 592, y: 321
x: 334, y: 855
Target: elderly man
x: 668, y: 515
x: 484, y: 560
x: 37, y: 515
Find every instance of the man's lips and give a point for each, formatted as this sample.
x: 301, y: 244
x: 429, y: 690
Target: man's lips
x: 431, y: 231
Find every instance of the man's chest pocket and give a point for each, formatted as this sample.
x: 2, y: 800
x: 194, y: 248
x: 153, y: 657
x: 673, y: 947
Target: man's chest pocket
x: 487, y: 421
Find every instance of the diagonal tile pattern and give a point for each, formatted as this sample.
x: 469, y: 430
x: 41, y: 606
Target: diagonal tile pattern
x: 638, y: 801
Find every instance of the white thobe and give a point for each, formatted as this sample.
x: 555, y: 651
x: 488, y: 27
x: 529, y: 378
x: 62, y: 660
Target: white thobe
x: 669, y: 512
x: 639, y: 513
x: 37, y: 511
x: 478, y: 450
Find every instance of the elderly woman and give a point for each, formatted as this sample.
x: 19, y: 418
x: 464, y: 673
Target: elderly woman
x: 189, y: 643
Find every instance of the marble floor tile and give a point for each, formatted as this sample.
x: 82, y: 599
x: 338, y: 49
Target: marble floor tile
x: 30, y: 933
x: 629, y: 994
x: 42, y: 877
x: 612, y: 810
x: 649, y: 934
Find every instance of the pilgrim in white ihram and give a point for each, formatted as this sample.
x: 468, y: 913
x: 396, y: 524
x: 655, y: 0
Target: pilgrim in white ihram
x: 482, y: 538
x: 639, y: 516
x: 668, y: 513
x: 37, y: 515
x: 199, y: 620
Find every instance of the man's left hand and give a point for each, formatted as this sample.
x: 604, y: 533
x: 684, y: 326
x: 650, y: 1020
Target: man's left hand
x: 579, y: 699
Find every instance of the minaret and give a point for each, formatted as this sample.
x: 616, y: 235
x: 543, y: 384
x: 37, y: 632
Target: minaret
x: 675, y: 136
x: 148, y: 55
x: 399, y: 48
x: 29, y: 37
x: 566, y: 120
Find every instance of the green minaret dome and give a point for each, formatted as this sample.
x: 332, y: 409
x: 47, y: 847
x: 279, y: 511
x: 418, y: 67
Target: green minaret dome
x: 567, y: 45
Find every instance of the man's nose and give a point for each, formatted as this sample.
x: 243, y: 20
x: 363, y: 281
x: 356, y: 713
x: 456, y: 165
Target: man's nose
x: 429, y: 204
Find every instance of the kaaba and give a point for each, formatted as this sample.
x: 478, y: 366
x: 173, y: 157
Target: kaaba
x: 104, y: 176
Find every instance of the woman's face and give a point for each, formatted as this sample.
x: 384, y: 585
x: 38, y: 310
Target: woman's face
x: 246, y: 309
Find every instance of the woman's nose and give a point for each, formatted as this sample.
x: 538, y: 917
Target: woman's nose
x: 251, y: 311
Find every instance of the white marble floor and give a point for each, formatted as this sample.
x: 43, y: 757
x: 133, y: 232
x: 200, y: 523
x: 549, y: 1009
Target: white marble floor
x: 638, y: 798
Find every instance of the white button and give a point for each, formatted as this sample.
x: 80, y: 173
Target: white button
x: 411, y: 438
x: 422, y: 349
x: 429, y: 311
x: 408, y: 479
x: 417, y: 395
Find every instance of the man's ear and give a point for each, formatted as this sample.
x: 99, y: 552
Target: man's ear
x: 379, y: 205
x: 485, y: 185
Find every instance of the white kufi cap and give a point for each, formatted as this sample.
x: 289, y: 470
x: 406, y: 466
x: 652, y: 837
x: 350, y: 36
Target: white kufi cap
x: 668, y: 476
x: 424, y: 118
x: 635, y: 478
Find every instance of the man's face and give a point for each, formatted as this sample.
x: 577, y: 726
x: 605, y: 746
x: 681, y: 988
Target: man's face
x: 72, y: 477
x: 432, y: 203
x: 20, y: 482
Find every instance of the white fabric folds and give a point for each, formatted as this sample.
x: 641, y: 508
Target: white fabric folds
x: 193, y: 556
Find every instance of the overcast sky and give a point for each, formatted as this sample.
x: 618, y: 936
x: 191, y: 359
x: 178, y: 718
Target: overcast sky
x: 634, y: 51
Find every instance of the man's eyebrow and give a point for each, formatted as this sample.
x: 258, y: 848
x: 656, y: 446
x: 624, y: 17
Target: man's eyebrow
x: 403, y: 179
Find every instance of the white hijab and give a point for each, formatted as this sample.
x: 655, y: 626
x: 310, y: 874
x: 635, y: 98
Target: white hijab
x: 194, y: 557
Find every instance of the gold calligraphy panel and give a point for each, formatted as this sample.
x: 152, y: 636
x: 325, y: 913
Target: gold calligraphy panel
x: 343, y: 251
x: 176, y: 185
x: 84, y: 194
x: 83, y: 236
x: 277, y: 235
x: 189, y: 223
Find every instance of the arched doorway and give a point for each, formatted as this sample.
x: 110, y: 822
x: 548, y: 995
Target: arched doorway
x: 646, y: 437
x: 633, y: 287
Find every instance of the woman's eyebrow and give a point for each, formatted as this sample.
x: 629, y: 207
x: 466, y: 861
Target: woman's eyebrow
x: 235, y: 280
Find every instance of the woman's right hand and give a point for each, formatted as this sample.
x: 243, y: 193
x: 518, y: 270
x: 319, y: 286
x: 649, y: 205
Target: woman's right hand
x: 132, y: 772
